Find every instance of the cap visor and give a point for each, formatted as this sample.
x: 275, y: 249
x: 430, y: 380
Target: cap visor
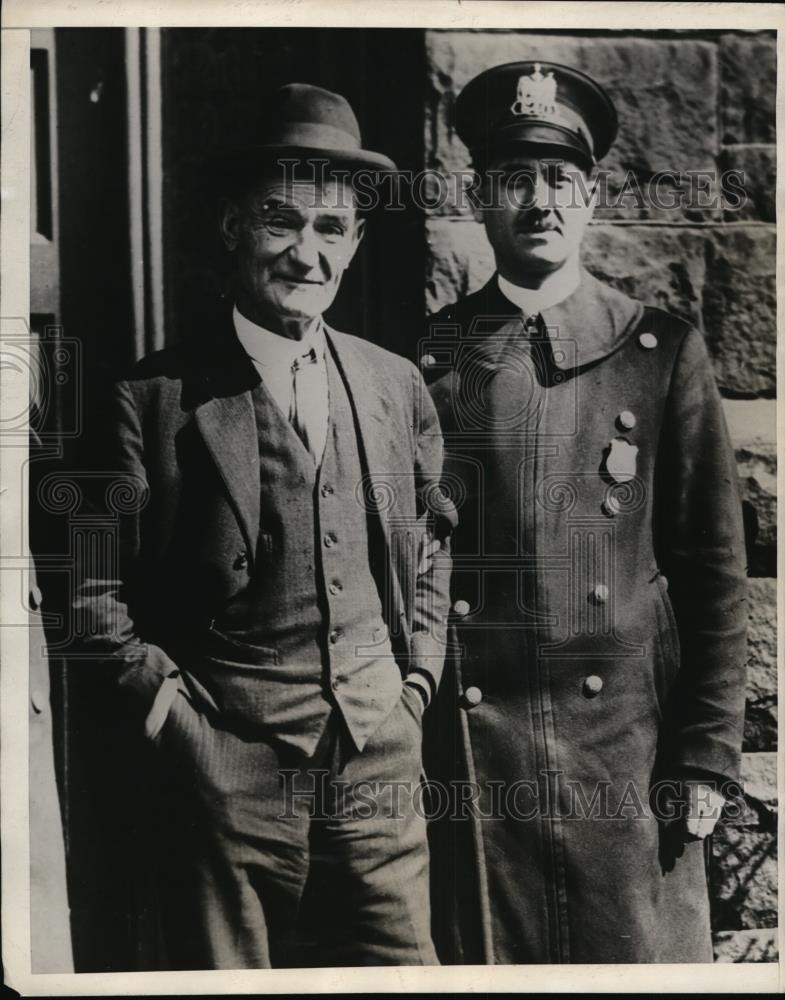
x: 543, y: 134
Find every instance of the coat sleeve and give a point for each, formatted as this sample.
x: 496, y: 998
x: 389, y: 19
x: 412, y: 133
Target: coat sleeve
x: 701, y: 550
x: 432, y: 591
x: 103, y: 584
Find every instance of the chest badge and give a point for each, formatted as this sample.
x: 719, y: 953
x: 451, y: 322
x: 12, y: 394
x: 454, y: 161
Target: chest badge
x: 620, y: 460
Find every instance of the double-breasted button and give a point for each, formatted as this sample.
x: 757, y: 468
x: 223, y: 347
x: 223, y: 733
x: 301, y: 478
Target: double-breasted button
x: 627, y: 420
x: 592, y: 685
x: 664, y: 580
x: 36, y: 597
x: 241, y: 560
x: 472, y: 696
x: 336, y: 682
x: 427, y: 361
x: 461, y: 608
x: 335, y: 635
x: 600, y: 594
x: 330, y: 539
x: 335, y: 588
x: 327, y: 490
x: 647, y: 340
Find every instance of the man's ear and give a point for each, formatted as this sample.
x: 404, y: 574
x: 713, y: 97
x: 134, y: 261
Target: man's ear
x: 475, y: 195
x: 593, y: 182
x: 229, y: 222
x: 359, y: 232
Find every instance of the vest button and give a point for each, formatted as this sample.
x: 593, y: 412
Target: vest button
x: 427, y: 361
x: 592, y: 685
x: 336, y: 682
x: 241, y: 560
x: 330, y: 539
x: 600, y: 594
x: 664, y: 580
x: 327, y: 490
x: 472, y: 696
x: 335, y: 635
x: 335, y: 588
x: 461, y: 608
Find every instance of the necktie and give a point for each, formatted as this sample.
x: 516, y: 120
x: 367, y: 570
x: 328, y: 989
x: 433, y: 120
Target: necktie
x: 304, y: 412
x: 532, y: 325
x: 541, y: 354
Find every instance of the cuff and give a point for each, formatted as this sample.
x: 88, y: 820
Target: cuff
x: 421, y: 686
x: 156, y: 717
x: 145, y: 666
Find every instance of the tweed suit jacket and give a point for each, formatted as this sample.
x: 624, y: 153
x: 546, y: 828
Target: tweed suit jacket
x: 181, y: 441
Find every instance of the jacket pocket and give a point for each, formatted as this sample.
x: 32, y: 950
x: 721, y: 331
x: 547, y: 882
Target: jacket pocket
x: 219, y: 644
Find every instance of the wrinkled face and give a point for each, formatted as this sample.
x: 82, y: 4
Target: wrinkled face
x: 293, y: 243
x: 535, y: 211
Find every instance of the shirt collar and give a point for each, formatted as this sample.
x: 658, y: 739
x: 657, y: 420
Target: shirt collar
x: 534, y: 300
x: 271, y: 349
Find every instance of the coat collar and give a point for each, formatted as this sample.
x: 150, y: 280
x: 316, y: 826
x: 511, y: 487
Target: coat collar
x: 591, y: 323
x: 596, y: 317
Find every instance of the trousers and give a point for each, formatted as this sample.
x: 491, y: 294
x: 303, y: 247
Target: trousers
x: 270, y: 859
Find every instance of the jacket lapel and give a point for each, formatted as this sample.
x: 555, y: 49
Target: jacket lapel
x: 228, y: 426
x: 375, y: 420
x: 227, y: 422
x: 374, y: 415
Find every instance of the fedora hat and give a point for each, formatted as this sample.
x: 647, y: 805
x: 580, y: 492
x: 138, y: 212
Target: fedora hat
x: 304, y: 123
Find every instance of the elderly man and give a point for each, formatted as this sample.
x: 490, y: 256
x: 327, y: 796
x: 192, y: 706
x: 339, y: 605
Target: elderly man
x: 268, y: 618
x: 599, y: 579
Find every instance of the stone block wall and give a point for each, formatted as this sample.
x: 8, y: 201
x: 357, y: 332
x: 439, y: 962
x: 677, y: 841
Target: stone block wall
x: 687, y: 102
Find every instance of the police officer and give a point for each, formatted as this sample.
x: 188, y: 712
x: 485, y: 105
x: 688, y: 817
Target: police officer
x: 599, y: 578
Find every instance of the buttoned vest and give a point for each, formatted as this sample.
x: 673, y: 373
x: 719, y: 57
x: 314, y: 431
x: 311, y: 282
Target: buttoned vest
x: 307, y: 635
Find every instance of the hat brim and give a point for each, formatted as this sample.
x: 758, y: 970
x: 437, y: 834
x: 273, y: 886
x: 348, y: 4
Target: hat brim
x: 241, y: 162
x: 539, y: 133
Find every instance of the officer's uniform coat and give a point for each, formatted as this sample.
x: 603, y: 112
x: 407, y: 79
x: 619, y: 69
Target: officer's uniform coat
x: 600, y: 626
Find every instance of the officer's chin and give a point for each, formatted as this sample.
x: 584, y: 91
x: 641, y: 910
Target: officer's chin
x: 539, y: 237
x: 547, y: 254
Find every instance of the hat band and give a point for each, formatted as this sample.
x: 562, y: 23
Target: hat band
x: 314, y: 136
x: 563, y: 118
x: 536, y: 133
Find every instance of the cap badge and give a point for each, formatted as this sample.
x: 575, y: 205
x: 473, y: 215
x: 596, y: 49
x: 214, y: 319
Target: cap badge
x: 536, y: 94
